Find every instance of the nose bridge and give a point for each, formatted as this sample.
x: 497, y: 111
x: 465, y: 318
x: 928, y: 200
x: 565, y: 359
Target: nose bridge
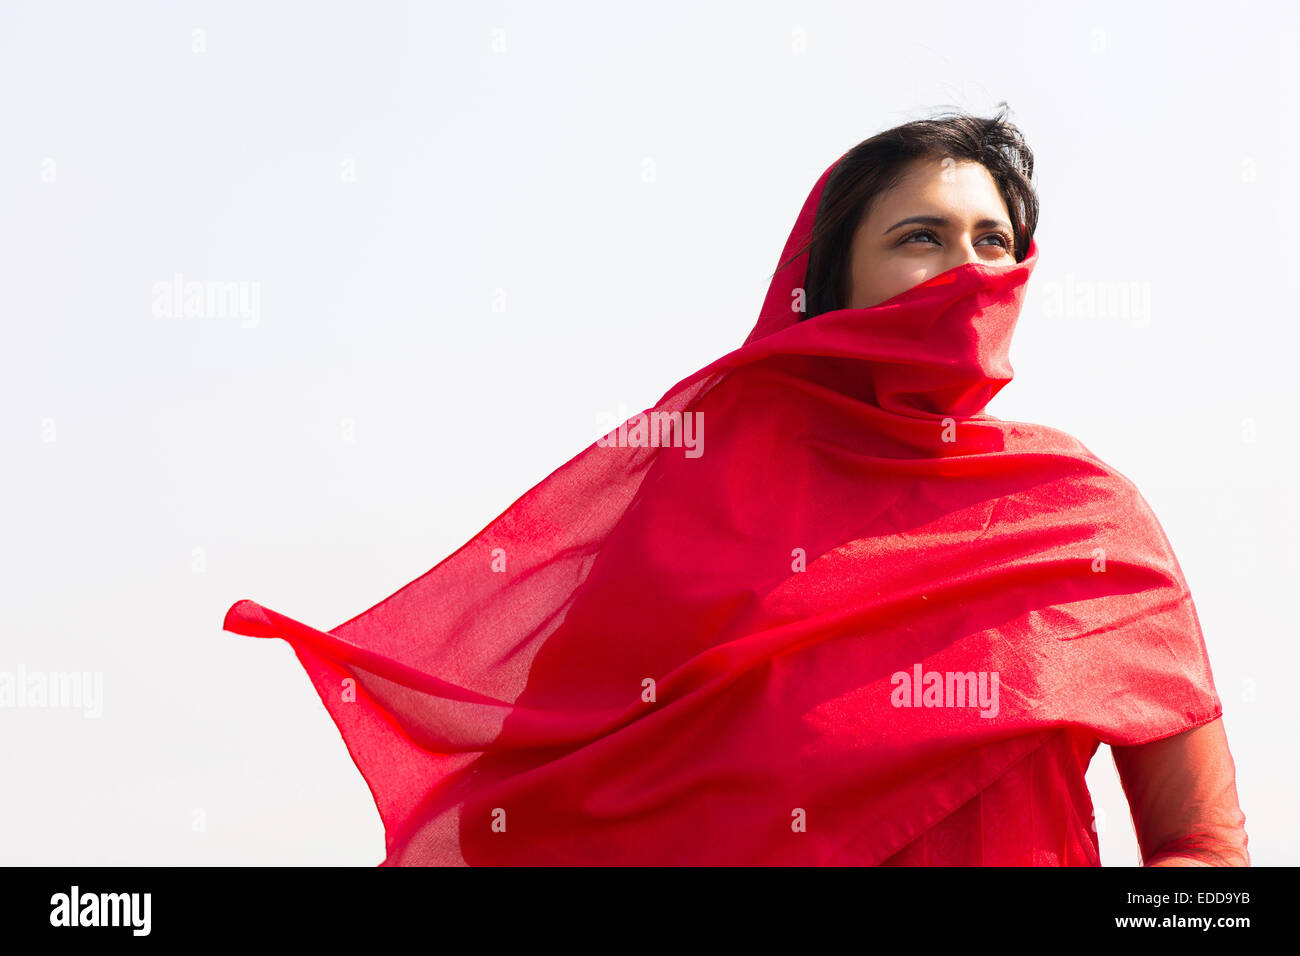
x: 964, y: 251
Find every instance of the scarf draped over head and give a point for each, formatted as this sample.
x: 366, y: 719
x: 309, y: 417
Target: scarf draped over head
x: 806, y: 605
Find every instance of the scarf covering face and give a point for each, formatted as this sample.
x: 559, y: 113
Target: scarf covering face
x: 809, y: 604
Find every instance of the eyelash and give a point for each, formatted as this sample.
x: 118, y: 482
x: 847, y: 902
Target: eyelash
x: 1007, y: 242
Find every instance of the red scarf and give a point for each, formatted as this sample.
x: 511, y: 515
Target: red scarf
x: 738, y: 635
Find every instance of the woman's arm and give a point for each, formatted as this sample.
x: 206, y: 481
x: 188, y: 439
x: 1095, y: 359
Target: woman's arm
x: 1182, y: 794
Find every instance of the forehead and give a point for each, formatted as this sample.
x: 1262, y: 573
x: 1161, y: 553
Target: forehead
x: 935, y: 184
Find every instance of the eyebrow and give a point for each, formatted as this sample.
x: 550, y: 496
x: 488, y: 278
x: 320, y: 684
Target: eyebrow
x: 944, y: 221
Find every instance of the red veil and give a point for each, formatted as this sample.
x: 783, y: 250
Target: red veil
x: 799, y: 612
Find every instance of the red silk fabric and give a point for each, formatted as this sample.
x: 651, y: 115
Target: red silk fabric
x: 703, y: 650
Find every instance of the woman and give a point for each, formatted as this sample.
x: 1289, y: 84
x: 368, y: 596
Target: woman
x: 815, y: 606
x: 972, y: 179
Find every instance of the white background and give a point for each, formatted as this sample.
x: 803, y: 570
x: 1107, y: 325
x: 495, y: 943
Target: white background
x: 380, y: 169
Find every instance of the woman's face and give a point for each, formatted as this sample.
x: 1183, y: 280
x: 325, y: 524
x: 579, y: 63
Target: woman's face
x: 942, y: 214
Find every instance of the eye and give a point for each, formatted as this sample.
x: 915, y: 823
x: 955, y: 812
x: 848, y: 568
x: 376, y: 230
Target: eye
x: 1003, y: 239
x: 918, y: 232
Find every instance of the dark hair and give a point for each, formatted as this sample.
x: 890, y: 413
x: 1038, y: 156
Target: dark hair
x: 878, y: 163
